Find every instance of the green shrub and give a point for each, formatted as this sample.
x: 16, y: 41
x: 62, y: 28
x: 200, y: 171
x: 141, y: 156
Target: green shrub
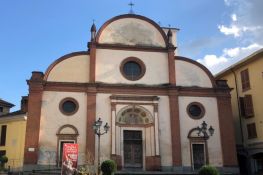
x: 208, y: 170
x: 108, y: 167
x: 3, y: 161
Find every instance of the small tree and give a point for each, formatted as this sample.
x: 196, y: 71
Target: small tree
x: 208, y: 170
x: 108, y: 167
x: 88, y: 168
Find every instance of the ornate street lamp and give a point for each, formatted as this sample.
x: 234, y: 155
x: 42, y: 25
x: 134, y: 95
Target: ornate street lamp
x: 203, y: 129
x: 96, y: 127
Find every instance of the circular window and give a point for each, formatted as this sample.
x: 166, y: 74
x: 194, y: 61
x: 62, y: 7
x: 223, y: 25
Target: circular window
x: 68, y: 106
x: 195, y: 110
x: 132, y: 68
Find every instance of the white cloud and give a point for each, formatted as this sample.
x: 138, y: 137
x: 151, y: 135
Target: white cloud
x: 232, y: 52
x: 233, y: 30
x: 246, y: 20
x: 211, y: 60
x: 234, y: 17
x: 227, y: 2
x: 230, y: 56
x: 253, y: 28
x: 242, y: 35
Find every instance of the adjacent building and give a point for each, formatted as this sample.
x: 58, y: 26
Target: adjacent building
x: 165, y: 112
x: 5, y: 107
x: 12, y: 137
x: 246, y: 80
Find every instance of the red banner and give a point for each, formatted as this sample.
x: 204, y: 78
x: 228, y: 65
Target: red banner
x: 69, y: 159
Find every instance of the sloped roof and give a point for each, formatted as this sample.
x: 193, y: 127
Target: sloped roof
x: 13, y: 113
x: 6, y: 104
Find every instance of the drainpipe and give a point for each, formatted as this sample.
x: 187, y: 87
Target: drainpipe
x: 239, y: 109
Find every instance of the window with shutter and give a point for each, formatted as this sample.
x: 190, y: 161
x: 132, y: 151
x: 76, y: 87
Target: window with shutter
x: 3, y: 135
x: 251, y: 131
x: 242, y: 106
x: 245, y: 80
x: 248, y: 105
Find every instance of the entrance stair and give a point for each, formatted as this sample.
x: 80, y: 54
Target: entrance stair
x: 125, y: 172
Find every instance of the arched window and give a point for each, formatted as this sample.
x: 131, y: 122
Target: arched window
x: 132, y: 68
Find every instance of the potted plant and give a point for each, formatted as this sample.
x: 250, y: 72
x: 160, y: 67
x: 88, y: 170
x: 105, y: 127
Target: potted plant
x: 108, y: 167
x: 208, y: 170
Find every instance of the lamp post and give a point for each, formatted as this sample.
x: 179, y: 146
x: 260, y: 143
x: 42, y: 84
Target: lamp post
x: 203, y: 129
x: 96, y: 127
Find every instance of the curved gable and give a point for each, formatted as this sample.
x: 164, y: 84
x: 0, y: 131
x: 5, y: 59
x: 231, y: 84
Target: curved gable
x: 191, y: 73
x: 133, y: 30
x: 72, y: 67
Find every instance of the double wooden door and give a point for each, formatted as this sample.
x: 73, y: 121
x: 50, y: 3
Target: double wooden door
x: 133, y: 152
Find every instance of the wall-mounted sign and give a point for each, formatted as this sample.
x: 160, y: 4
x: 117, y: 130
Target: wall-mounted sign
x: 31, y: 149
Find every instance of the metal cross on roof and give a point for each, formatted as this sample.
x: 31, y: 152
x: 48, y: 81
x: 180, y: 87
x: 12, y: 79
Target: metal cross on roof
x: 131, y: 10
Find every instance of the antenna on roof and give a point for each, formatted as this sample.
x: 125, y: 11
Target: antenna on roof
x: 131, y: 10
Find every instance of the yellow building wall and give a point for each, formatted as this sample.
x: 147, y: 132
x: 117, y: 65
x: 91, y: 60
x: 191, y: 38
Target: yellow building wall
x: 15, y: 141
x: 255, y: 70
x: 231, y: 83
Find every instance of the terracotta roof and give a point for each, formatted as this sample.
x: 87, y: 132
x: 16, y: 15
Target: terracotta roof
x: 6, y: 104
x: 13, y: 113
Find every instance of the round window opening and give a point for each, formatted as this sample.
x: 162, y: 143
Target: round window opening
x: 132, y: 68
x: 196, y: 110
x: 68, y: 106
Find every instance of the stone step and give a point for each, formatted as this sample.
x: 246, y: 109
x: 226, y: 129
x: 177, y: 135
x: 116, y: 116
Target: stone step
x: 58, y: 172
x: 150, y: 173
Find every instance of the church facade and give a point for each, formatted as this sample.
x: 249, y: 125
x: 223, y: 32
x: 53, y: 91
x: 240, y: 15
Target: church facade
x: 165, y: 112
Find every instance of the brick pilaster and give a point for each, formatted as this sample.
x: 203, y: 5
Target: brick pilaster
x: 175, y: 128
x: 226, y: 124
x: 171, y: 66
x: 91, y: 118
x: 33, y: 118
x: 92, y: 68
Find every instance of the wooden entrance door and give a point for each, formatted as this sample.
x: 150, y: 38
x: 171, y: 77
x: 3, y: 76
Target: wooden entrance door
x: 133, y: 153
x: 198, y: 151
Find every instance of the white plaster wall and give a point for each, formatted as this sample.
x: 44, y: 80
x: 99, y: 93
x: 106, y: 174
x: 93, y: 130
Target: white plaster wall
x: 188, y: 74
x: 109, y: 61
x: 187, y: 123
x: 165, y: 131
x: 103, y: 110
x: 149, y: 141
x: 73, y: 69
x: 52, y: 119
x: 131, y: 31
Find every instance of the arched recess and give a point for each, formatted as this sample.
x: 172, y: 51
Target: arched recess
x: 65, y: 134
x: 60, y: 60
x: 199, y: 65
x: 198, y: 148
x: 136, y: 128
x: 134, y: 115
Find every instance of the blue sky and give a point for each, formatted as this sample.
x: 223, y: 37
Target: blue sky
x: 34, y: 33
